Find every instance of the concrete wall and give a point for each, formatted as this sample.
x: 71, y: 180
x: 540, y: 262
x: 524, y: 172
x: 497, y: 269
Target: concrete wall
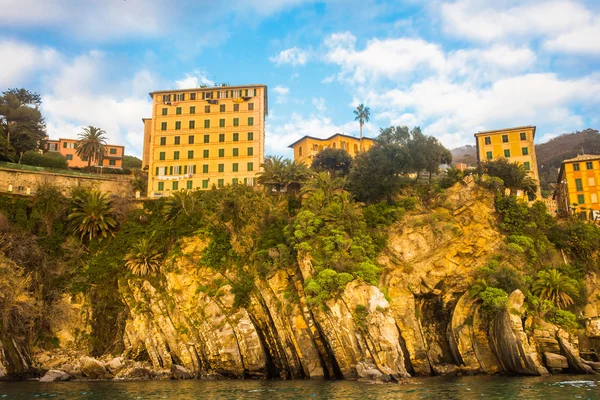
x: 21, y: 180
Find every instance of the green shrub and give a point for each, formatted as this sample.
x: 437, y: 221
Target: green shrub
x: 48, y: 160
x: 493, y: 300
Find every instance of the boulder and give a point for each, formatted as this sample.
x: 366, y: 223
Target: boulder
x: 555, y: 360
x: 180, y: 372
x: 93, y: 369
x: 116, y: 364
x: 134, y: 373
x: 55, y: 375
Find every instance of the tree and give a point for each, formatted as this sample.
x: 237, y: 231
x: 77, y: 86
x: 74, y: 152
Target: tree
x: 336, y: 161
x: 554, y: 286
x: 49, y: 159
x: 143, y: 258
x: 22, y: 126
x: 514, y: 176
x: 435, y: 154
x: 91, y: 144
x: 131, y: 162
x: 182, y: 202
x: 281, y: 175
x: 362, y: 115
x: 91, y: 215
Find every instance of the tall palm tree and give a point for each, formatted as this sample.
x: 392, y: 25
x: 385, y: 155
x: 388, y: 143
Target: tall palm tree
x: 91, y: 215
x: 91, y: 144
x: 362, y: 115
x: 513, y: 174
x: 143, y: 258
x: 556, y: 287
x: 281, y: 175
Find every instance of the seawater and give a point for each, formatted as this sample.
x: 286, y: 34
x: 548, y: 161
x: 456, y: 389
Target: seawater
x: 463, y: 388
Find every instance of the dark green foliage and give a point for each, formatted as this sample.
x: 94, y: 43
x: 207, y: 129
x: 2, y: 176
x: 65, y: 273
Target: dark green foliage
x: 242, y: 287
x: 336, y: 161
x: 513, y: 174
x: 501, y: 275
x: 131, y: 162
x: 47, y: 160
x: 493, y: 299
x: 218, y: 252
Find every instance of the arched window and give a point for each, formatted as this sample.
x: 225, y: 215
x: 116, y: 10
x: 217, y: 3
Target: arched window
x: 344, y: 145
x: 316, y: 147
x: 300, y: 151
x: 334, y: 145
x: 320, y: 147
x: 355, y: 148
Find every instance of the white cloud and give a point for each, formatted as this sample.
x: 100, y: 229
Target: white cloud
x: 319, y: 104
x: 282, y: 93
x: 21, y: 60
x: 293, y: 56
x: 581, y: 40
x: 193, y: 80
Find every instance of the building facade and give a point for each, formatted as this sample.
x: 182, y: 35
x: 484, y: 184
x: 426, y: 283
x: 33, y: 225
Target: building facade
x: 307, y: 147
x: 577, y: 186
x: 203, y: 137
x: 514, y: 144
x: 68, y: 148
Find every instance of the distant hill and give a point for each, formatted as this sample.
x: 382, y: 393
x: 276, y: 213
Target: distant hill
x: 549, y: 155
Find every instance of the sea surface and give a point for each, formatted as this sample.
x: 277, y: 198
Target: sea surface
x: 464, y: 388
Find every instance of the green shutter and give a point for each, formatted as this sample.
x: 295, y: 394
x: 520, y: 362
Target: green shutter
x: 171, y: 170
x: 156, y: 174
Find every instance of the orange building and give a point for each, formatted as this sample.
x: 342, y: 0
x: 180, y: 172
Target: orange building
x: 68, y: 148
x: 307, y: 147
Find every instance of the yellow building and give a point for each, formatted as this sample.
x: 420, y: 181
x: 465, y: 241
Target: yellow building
x: 307, y: 147
x: 578, y: 180
x: 204, y: 137
x: 514, y: 144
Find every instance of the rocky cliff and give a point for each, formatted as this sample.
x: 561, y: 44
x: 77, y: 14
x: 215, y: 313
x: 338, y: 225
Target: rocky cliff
x: 420, y: 320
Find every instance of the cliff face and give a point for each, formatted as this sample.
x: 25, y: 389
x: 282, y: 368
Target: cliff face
x: 420, y: 320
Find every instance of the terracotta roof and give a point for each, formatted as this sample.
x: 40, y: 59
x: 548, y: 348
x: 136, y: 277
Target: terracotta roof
x: 329, y: 138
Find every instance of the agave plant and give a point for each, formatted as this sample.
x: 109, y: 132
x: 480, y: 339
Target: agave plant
x: 92, y: 216
x: 554, y: 286
x: 143, y: 258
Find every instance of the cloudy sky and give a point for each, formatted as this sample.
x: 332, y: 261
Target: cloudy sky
x: 453, y: 67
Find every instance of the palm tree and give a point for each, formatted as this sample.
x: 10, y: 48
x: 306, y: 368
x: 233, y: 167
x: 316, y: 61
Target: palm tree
x: 556, y: 287
x: 91, y: 215
x: 362, y: 115
x: 514, y: 176
x: 143, y: 258
x: 180, y: 203
x: 281, y: 175
x: 91, y: 144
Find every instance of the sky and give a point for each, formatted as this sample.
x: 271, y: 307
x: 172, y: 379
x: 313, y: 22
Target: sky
x: 451, y: 67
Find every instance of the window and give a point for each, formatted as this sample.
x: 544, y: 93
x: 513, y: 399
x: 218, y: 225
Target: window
x: 190, y: 169
x: 221, y: 152
x: 234, y: 181
x: 161, y: 171
x: 205, y: 153
x: 504, y: 138
x: 236, y: 137
x: 234, y: 167
x: 250, y: 106
x: 220, y: 183
x: 206, y: 138
x: 164, y: 111
x: 191, y: 139
x: 221, y: 168
x: 205, y: 184
x: 177, y: 140
x: 222, y: 123
x: 580, y: 199
x: 166, y: 98
x: 112, y: 150
x: 176, y: 169
x: 589, y: 165
x: 250, y: 166
x: 163, y: 141
x: 69, y: 157
x: 205, y: 168
x: 112, y: 162
x: 578, y: 185
x: 250, y: 121
x: 178, y: 111
x: 236, y: 152
x: 488, y: 155
x: 175, y: 185
x: 250, y: 135
x: 575, y: 167
x: 507, y: 153
x: 300, y: 150
x: 179, y: 97
x: 236, y: 107
x: 207, y: 109
x: 207, y: 123
x: 188, y: 185
x: 192, y: 96
x: 523, y: 136
x: 177, y: 125
x: 525, y: 151
x: 527, y: 165
x: 161, y: 155
x: 190, y: 154
x: 161, y: 186
x: 250, y: 151
x: 594, y: 197
x: 207, y: 95
x: 192, y: 124
x: 236, y: 122
x: 591, y: 181
x: 222, y: 108
x: 163, y: 127
x: 175, y: 155
x: 192, y: 109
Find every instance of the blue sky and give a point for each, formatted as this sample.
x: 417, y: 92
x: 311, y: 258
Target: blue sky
x: 453, y: 67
